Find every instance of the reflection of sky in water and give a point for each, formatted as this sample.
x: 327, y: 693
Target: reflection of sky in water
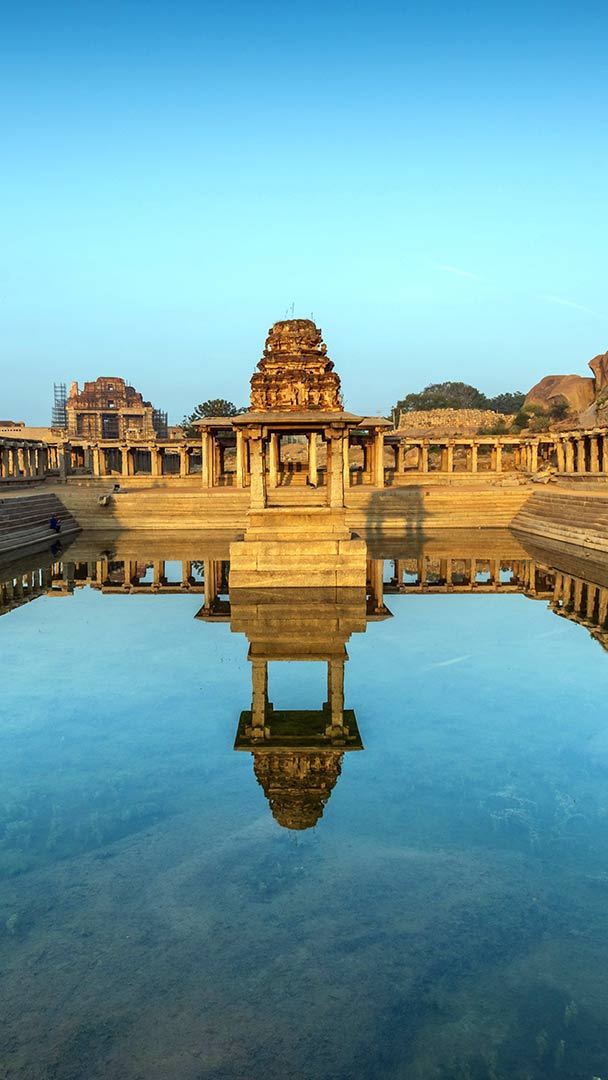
x: 447, y: 917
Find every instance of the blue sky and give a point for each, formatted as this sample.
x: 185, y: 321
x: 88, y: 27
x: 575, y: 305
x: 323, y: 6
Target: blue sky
x: 428, y: 180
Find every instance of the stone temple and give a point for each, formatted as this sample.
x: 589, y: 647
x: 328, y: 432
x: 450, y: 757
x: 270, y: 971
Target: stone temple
x: 295, y: 372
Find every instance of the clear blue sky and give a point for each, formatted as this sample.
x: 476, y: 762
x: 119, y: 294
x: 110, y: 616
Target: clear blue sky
x: 430, y: 180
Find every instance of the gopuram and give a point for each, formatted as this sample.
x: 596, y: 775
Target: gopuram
x: 296, y: 542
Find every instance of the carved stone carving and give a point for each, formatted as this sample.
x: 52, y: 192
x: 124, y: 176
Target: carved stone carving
x: 295, y: 373
x: 297, y: 784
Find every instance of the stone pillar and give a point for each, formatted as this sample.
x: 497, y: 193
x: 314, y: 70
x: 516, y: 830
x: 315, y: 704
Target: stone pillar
x: 474, y: 451
x: 124, y: 466
x: 312, y: 459
x: 210, y: 583
x: 449, y: 457
x: 273, y: 460
x: 498, y: 458
x: 207, y: 459
x: 580, y: 454
x: 257, y: 458
x: 561, y: 456
x: 379, y: 458
x: 401, y: 456
x: 183, y: 461
x: 376, y: 583
x: 335, y: 696
x: 259, y: 697
x: 156, y: 465
x: 240, y: 464
x: 592, y: 591
x: 335, y: 467
x: 534, y: 457
x: 569, y: 455
x: 346, y: 460
x: 594, y: 463
x: 602, y: 616
x: 158, y: 572
x: 424, y: 458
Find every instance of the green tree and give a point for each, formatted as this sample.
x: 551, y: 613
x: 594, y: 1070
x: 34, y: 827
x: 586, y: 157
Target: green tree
x: 212, y: 407
x: 446, y: 395
x: 507, y: 403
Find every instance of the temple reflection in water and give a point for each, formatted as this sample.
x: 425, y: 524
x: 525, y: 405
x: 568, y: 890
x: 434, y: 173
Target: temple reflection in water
x: 298, y: 753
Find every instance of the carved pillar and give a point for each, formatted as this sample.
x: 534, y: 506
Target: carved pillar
x: 474, y: 451
x: 124, y: 461
x: 346, y: 460
x: 569, y: 455
x: 580, y: 454
x: 424, y: 457
x: 335, y: 696
x: 335, y: 467
x: 594, y: 454
x: 273, y: 460
x: 183, y: 461
x: 257, y: 459
x: 376, y: 583
x: 210, y: 583
x: 498, y: 458
x: 259, y: 696
x: 561, y: 456
x: 379, y: 458
x: 312, y: 459
x: 207, y: 459
x: 240, y: 464
x: 449, y: 457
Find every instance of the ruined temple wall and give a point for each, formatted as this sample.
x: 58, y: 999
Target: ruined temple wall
x: 445, y: 422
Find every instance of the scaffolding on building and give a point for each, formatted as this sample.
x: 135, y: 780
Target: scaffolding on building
x: 59, y: 417
x: 159, y: 423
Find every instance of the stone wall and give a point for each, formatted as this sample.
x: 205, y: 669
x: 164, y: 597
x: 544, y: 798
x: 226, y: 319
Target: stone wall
x: 450, y: 422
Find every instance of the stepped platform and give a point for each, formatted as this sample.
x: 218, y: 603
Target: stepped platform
x: 566, y: 514
x: 299, y: 548
x: 24, y: 521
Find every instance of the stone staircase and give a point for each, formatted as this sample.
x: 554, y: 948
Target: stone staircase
x: 160, y: 508
x: 402, y: 511
x: 24, y: 521
x: 304, y: 548
x: 561, y: 516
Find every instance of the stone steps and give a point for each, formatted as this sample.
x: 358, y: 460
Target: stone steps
x: 24, y: 521
x: 567, y: 518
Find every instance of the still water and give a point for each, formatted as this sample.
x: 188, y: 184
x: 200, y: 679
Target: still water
x: 414, y: 887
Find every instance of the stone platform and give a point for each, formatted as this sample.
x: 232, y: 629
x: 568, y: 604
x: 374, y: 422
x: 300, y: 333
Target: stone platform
x: 302, y: 548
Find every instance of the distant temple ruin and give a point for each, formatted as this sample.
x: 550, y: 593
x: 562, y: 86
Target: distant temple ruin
x: 109, y: 408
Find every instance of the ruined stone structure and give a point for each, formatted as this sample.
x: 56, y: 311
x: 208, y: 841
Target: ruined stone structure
x: 108, y: 408
x: 295, y: 373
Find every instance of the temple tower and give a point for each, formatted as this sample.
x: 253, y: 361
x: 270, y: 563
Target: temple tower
x: 296, y: 533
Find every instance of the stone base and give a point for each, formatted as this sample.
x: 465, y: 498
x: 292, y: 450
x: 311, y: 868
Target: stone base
x: 291, y: 549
